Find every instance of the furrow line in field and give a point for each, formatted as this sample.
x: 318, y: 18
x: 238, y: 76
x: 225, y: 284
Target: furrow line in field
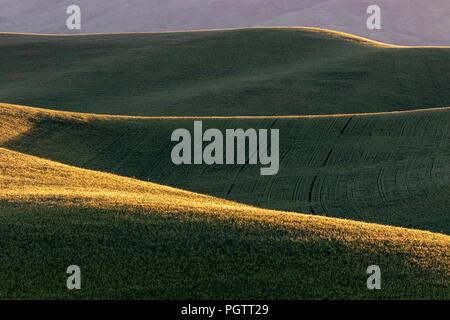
x: 310, y: 193
x: 327, y: 158
x: 346, y: 125
x: 296, y: 187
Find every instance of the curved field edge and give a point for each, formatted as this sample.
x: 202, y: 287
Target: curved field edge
x: 330, y: 32
x: 389, y: 168
x: 8, y: 109
x: 136, y: 239
x: 224, y: 72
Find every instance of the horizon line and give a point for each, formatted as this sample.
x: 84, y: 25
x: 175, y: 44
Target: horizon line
x: 324, y: 30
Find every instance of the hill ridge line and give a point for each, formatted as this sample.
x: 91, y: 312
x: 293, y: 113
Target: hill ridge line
x: 314, y: 29
x: 338, y: 115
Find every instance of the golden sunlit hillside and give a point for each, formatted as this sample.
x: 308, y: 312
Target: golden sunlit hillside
x: 50, y: 198
x: 388, y: 168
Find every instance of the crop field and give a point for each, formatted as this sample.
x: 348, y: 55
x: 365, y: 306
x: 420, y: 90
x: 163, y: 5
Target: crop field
x: 86, y: 174
x: 390, y: 168
x: 136, y: 239
x: 239, y: 72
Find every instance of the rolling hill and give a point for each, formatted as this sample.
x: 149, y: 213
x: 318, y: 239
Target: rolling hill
x: 404, y: 22
x: 390, y: 168
x: 364, y: 173
x: 135, y: 239
x: 239, y: 72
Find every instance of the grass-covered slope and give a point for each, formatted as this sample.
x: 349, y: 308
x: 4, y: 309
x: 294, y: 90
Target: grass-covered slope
x: 135, y: 239
x: 237, y: 72
x: 389, y: 168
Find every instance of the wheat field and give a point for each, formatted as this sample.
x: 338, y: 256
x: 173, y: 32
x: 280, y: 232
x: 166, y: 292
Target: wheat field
x: 86, y: 176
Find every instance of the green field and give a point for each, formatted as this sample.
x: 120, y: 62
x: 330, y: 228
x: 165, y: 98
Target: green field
x: 353, y: 189
x: 391, y: 169
x: 137, y: 240
x: 239, y: 72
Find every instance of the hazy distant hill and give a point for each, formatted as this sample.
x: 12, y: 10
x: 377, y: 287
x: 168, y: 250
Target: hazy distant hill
x: 405, y: 22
